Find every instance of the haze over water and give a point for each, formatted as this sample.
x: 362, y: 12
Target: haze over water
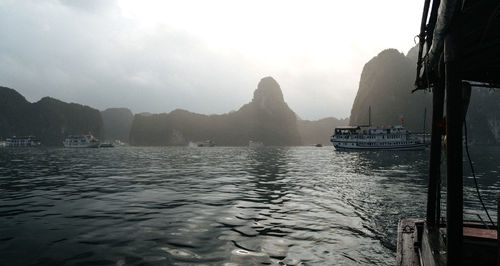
x: 180, y: 205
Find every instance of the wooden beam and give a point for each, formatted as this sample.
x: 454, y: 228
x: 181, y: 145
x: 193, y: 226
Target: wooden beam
x: 434, y: 190
x: 454, y: 171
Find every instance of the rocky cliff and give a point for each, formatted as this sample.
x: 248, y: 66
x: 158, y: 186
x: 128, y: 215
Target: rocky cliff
x: 117, y: 123
x: 386, y: 83
x: 267, y: 118
x: 49, y: 119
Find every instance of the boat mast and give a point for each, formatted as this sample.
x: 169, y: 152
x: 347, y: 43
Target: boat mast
x: 370, y: 116
x: 425, y: 116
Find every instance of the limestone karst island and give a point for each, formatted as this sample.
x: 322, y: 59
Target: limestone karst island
x: 249, y: 132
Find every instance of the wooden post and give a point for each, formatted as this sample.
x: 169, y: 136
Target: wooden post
x: 498, y: 232
x: 454, y: 171
x: 434, y: 190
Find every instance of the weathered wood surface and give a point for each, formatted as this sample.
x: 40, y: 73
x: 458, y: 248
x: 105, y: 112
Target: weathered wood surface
x: 407, y: 254
x: 481, y: 233
x: 433, y: 246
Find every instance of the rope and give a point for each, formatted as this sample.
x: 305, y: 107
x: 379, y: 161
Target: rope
x: 474, y: 175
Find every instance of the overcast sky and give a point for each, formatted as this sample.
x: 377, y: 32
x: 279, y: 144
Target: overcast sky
x: 204, y: 56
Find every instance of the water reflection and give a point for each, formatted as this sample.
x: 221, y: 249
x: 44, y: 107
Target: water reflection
x: 208, y: 206
x: 257, y: 230
x: 268, y: 166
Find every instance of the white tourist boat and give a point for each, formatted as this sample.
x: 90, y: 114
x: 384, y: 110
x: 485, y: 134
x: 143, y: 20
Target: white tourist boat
x: 27, y: 141
x: 254, y: 144
x: 205, y: 143
x: 81, y: 141
x: 374, y: 138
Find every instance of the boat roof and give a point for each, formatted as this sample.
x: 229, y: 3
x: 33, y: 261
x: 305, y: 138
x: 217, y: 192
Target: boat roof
x: 347, y: 127
x: 478, y: 42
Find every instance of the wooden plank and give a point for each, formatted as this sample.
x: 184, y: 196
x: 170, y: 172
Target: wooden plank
x: 480, y: 233
x: 407, y: 255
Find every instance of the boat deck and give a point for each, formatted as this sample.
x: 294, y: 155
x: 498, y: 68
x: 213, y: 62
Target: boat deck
x: 419, y: 245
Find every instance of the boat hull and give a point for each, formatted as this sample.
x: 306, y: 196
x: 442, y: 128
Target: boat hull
x: 90, y: 145
x: 409, y: 147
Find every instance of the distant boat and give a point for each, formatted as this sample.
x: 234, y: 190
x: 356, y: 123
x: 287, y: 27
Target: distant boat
x: 81, y: 141
x: 106, y: 145
x: 374, y: 138
x: 318, y: 145
x: 206, y: 143
x: 27, y: 141
x: 118, y: 143
x: 252, y: 143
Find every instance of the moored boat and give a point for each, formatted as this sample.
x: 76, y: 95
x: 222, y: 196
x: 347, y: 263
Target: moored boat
x: 375, y: 138
x: 26, y: 141
x: 81, y: 141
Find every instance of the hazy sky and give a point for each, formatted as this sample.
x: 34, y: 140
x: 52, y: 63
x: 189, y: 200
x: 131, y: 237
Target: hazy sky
x: 204, y: 56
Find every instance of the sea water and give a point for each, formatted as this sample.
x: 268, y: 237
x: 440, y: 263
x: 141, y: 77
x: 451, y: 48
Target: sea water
x: 216, y: 206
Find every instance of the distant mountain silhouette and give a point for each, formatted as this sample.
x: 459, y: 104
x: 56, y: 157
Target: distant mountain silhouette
x: 267, y: 118
x: 49, y: 119
x: 483, y: 119
x: 320, y: 131
x: 117, y: 123
x: 386, y: 83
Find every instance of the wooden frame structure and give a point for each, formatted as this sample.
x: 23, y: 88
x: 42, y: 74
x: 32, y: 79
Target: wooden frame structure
x: 459, y: 43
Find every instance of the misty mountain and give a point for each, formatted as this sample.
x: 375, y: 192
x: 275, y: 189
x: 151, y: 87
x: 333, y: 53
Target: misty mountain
x: 267, y: 118
x: 319, y: 131
x: 117, y: 123
x: 483, y: 119
x: 386, y: 83
x: 49, y: 119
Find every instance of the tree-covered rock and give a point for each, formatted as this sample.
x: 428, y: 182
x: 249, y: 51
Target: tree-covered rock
x: 49, y: 119
x: 117, y: 123
x: 267, y: 118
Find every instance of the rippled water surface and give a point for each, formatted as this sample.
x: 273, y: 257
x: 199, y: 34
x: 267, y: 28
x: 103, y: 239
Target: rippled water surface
x: 212, y: 206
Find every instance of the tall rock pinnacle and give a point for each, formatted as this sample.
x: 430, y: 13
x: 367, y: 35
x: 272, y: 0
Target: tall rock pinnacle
x: 268, y: 95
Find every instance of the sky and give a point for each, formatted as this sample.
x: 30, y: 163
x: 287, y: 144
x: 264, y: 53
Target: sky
x: 203, y: 56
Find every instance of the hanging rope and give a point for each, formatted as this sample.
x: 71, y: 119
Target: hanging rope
x: 474, y: 175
